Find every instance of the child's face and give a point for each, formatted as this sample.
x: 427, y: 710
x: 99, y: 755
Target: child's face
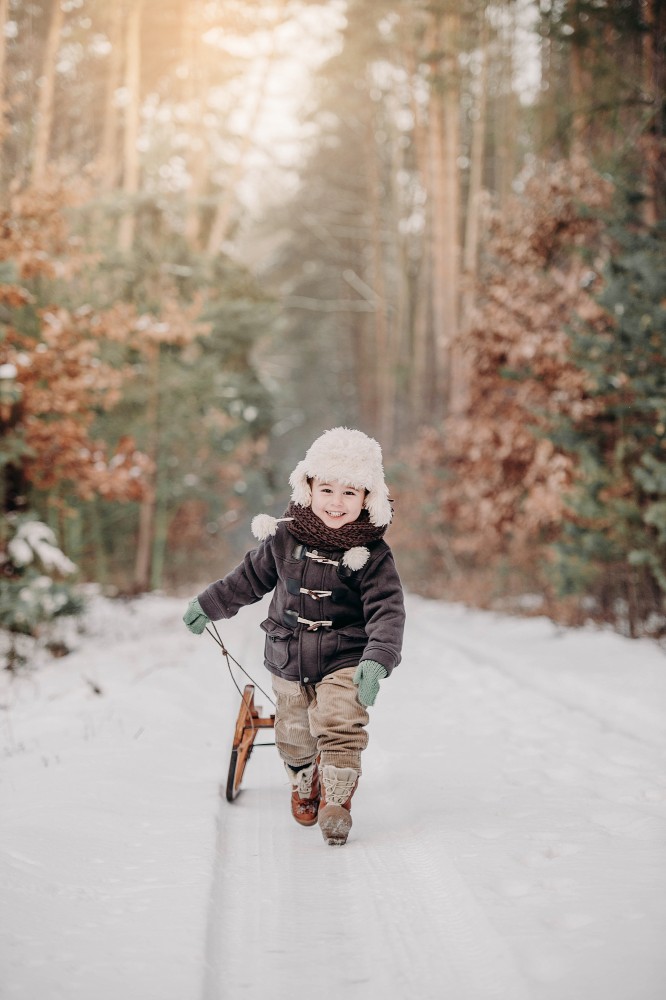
x: 336, y: 504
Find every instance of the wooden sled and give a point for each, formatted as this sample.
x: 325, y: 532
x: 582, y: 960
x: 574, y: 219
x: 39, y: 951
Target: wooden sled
x: 248, y: 724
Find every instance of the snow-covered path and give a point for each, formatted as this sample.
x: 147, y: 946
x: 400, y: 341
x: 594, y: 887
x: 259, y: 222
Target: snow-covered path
x: 509, y: 835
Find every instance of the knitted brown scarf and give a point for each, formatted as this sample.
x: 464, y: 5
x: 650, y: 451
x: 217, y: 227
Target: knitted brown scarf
x: 306, y: 527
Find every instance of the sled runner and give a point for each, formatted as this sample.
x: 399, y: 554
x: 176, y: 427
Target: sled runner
x: 249, y: 721
x: 248, y: 724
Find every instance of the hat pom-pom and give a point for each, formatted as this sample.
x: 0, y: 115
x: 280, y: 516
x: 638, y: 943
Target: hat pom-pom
x: 356, y: 558
x: 263, y: 526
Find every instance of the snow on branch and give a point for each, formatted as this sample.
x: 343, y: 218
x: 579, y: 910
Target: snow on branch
x: 35, y: 540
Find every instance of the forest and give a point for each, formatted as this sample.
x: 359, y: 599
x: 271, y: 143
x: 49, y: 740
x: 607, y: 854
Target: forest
x: 230, y: 224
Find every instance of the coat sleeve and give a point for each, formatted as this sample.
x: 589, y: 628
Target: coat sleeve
x: 254, y: 577
x: 384, y: 611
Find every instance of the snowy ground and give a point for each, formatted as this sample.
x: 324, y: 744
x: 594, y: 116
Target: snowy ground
x: 509, y: 835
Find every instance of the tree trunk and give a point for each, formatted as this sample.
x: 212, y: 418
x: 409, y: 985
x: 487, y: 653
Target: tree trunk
x: 108, y: 156
x: 44, y: 116
x: 421, y: 390
x: 422, y: 369
x: 359, y: 332
x: 195, y: 58
x: 652, y: 139
x: 145, y: 539
x: 160, y: 534
x: 436, y: 183
x: 505, y: 128
x: 547, y: 127
x: 4, y: 8
x: 97, y: 541
x: 131, y: 163
x: 443, y: 175
x: 461, y: 375
x: 381, y: 353
x: 4, y: 125
x: 578, y: 88
x: 398, y: 403
x: 473, y: 214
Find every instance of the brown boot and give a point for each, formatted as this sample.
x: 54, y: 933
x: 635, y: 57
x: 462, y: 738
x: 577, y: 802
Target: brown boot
x: 338, y: 786
x: 304, y: 793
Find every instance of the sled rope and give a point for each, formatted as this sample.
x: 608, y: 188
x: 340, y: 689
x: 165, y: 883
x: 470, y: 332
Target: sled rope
x: 216, y: 637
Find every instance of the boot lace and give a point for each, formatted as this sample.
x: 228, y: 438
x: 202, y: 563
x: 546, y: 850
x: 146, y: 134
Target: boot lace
x: 302, y: 780
x: 339, y: 783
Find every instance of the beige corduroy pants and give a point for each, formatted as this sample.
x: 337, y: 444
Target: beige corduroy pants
x: 325, y: 719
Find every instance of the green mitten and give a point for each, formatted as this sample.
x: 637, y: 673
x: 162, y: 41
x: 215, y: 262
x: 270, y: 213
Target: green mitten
x: 368, y: 675
x: 195, y: 618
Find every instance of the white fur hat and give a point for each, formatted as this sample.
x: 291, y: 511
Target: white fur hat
x: 345, y: 456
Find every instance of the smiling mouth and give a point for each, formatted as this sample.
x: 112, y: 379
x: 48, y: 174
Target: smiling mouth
x: 335, y: 513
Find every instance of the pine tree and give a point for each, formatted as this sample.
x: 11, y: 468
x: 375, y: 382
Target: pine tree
x: 614, y: 542
x: 34, y: 589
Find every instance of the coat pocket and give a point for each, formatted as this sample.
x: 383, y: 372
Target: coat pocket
x: 352, y: 640
x: 276, y: 648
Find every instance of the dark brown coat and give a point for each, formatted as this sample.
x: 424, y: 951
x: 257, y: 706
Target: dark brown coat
x: 366, y: 607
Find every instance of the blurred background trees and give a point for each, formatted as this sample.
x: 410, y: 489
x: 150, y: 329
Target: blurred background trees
x: 227, y: 226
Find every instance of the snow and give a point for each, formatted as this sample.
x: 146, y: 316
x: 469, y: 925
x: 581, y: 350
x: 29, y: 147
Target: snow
x: 509, y: 829
x: 35, y: 539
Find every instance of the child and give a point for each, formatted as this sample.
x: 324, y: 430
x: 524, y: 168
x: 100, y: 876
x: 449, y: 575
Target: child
x: 335, y: 622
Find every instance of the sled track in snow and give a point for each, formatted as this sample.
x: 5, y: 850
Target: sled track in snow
x: 439, y: 892
x: 386, y: 915
x: 618, y: 719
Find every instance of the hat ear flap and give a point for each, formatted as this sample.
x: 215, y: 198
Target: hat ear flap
x: 378, y: 506
x: 298, y: 480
